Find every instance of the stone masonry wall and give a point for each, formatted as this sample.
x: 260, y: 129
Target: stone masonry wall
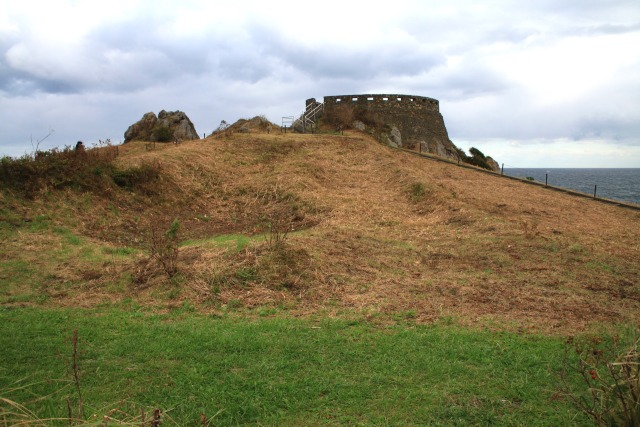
x: 409, y: 121
x: 403, y: 103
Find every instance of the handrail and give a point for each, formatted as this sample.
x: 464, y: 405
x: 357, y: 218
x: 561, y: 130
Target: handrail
x: 307, y: 118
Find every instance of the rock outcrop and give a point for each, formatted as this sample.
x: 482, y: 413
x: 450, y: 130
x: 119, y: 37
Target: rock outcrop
x: 168, y: 126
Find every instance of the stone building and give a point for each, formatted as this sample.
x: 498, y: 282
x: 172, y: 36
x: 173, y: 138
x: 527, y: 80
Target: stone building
x: 407, y: 121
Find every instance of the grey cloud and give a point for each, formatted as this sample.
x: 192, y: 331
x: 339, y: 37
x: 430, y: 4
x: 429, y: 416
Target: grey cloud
x: 624, y: 130
x: 132, y: 66
x: 20, y: 83
x: 611, y: 29
x: 118, y: 58
x: 343, y: 62
x: 472, y: 82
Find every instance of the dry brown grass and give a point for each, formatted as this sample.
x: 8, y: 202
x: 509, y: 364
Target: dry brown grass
x: 373, y: 231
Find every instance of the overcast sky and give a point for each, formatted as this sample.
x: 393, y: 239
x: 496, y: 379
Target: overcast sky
x: 544, y: 83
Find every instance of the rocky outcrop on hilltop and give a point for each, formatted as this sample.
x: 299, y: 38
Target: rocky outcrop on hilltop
x: 167, y: 126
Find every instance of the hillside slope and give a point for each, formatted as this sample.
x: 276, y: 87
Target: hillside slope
x: 337, y: 225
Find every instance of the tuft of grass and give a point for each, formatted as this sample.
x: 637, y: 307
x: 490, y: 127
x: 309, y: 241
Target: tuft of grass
x: 417, y: 191
x: 40, y: 223
x: 68, y: 236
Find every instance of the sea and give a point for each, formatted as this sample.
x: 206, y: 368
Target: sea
x: 616, y: 184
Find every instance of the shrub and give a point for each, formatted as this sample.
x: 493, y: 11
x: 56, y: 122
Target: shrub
x: 163, y: 246
x: 280, y: 211
x: 86, y: 170
x: 136, y: 176
x: 477, y: 158
x: 609, y: 373
x: 58, y: 168
x: 162, y: 134
x: 417, y: 191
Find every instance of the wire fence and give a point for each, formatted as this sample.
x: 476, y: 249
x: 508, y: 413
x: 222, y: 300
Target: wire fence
x: 622, y: 185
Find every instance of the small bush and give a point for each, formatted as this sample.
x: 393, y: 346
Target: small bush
x: 56, y: 169
x: 162, y: 134
x: 477, y: 158
x: 85, y: 170
x: 163, y: 246
x: 280, y: 212
x: 609, y: 374
x: 417, y: 191
x: 136, y: 176
x: 284, y: 266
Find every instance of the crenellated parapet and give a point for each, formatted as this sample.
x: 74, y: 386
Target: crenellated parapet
x: 385, y: 102
x: 400, y: 120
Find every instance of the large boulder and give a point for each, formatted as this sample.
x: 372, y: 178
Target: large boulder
x: 166, y: 127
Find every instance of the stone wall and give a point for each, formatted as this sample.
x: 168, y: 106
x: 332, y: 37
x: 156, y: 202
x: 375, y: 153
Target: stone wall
x: 398, y: 103
x: 408, y: 121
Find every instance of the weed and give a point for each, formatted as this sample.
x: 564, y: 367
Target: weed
x: 284, y: 266
x: 75, y: 369
x: 599, y: 266
x: 40, y: 223
x: 68, y: 235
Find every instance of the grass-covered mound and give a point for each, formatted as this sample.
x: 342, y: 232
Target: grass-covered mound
x: 205, y: 269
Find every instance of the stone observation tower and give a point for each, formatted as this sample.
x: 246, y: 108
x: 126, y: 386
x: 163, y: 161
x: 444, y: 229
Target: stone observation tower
x: 407, y: 121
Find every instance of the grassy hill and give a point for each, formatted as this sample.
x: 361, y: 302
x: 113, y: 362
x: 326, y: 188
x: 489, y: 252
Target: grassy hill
x: 290, y: 226
x: 370, y: 230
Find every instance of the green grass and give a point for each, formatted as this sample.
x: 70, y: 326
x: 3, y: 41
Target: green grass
x: 123, y: 251
x: 67, y: 235
x: 280, y: 371
x: 229, y: 241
